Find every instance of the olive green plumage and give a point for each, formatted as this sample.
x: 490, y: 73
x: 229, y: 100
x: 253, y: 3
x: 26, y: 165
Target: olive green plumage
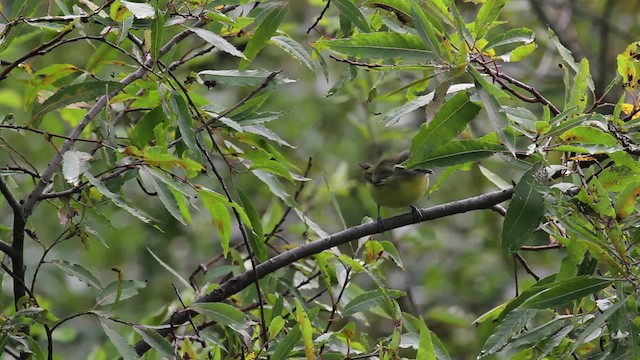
x: 392, y: 185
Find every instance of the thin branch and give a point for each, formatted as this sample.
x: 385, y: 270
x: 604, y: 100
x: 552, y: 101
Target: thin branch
x: 13, y: 202
x: 46, y: 176
x: 34, y: 52
x: 501, y: 77
x: 6, y: 248
x: 526, y: 266
x: 242, y: 281
x: 326, y: 7
x: 37, y: 131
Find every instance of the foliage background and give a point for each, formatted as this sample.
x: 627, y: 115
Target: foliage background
x: 455, y: 270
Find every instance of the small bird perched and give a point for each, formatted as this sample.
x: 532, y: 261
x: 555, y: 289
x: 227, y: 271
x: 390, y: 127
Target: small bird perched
x: 393, y: 185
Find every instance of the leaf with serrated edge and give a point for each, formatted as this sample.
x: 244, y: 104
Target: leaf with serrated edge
x: 525, y: 210
x: 122, y: 345
x: 218, y: 41
x: 79, y: 272
x: 224, y: 314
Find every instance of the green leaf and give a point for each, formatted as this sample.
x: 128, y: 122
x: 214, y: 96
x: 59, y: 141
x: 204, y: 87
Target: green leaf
x: 256, y: 237
x: 217, y: 206
x: 167, y: 198
x: 400, y: 8
x: 294, y: 49
x: 260, y: 159
x: 390, y: 249
x: 248, y: 78
x: 173, y: 272
x: 519, y: 53
x: 425, y: 29
x: 395, y: 115
x: 370, y: 299
x: 453, y: 117
x: 157, y: 31
x: 519, y: 35
x: 79, y: 272
x: 495, y: 179
x: 493, y: 90
x: 221, y: 313
x: 264, y: 132
x: 488, y: 14
x: 597, y: 323
x: 582, y: 80
x: 218, y: 41
x: 382, y: 45
x: 454, y: 153
x: 126, y: 288
x: 181, y: 112
x: 498, y: 118
x: 274, y: 16
x: 302, y: 318
x: 597, y: 198
x: 275, y: 326
x: 585, y: 134
x: 425, y: 345
x: 284, y: 347
x: 564, y: 52
x: 352, y: 13
x: 510, y: 326
x: 565, y: 291
x: 85, y: 91
x: 154, y: 340
x: 122, y: 345
x: 525, y: 210
x: 626, y: 201
x: 142, y: 133
x: 117, y: 199
x: 275, y: 186
x: 538, y: 334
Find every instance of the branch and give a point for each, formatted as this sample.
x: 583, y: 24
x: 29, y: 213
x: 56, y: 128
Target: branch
x: 242, y: 281
x: 45, y: 178
x: 13, y: 202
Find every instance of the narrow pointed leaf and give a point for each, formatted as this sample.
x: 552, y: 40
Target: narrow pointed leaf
x: 122, y: 345
x: 224, y: 314
x: 511, y: 36
x: 510, y: 326
x: 218, y: 41
x: 525, y: 210
x: 454, y: 153
x: 217, y: 206
x: 85, y: 91
x: 171, y: 270
x: 117, y: 199
x: 369, y: 299
x: 263, y: 32
x: 284, y: 347
x: 79, y: 272
x: 352, y: 13
x: 452, y: 118
x: 154, y: 340
x: 498, y: 118
x: 425, y: 30
x: 167, y: 198
x: 294, y: 49
x: 565, y: 291
x: 382, y: 45
x: 185, y: 124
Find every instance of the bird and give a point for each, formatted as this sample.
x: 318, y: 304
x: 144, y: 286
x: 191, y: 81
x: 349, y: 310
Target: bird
x: 392, y: 185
